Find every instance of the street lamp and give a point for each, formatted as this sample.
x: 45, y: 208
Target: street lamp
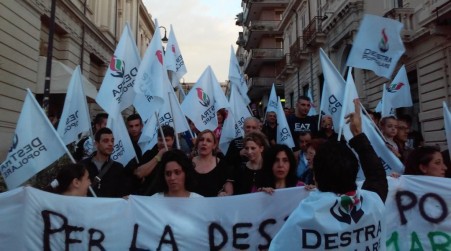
x: 164, y: 39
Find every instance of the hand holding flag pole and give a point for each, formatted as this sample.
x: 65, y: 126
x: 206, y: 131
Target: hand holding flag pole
x: 372, y: 122
x: 161, y: 131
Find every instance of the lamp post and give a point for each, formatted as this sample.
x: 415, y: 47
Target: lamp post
x: 165, y: 38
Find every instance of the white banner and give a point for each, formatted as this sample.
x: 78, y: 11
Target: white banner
x: 333, y: 91
x: 75, y: 117
x: 283, y: 129
x: 417, y: 215
x: 35, y: 145
x: 116, y: 92
x: 377, y: 46
x: 236, y: 76
x: 123, y: 150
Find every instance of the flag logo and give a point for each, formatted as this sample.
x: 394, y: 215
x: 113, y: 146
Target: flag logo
x: 395, y: 87
x: 347, y: 210
x: 159, y: 55
x: 383, y: 43
x: 117, y: 67
x: 204, y: 100
x: 15, y: 143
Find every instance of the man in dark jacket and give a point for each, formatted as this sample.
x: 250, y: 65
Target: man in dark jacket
x: 107, y: 176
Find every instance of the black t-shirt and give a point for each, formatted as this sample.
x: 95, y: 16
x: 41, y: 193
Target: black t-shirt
x: 298, y: 125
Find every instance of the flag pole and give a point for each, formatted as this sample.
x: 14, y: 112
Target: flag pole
x: 177, y: 141
x: 161, y: 131
x: 54, y: 131
x: 377, y: 128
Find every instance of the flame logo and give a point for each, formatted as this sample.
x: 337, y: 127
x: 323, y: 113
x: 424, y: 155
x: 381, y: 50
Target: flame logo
x: 117, y: 67
x: 159, y: 55
x: 383, y: 44
x: 15, y: 143
x: 173, y: 48
x: 395, y: 87
x: 204, y: 100
x: 347, y: 213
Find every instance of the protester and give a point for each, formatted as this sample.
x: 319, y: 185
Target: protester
x: 286, y: 111
x: 107, y: 176
x: 327, y: 128
x: 301, y: 154
x: 236, y: 155
x: 249, y: 177
x: 134, y: 128
x: 221, y: 115
x: 151, y: 158
x: 213, y: 176
x: 85, y: 147
x: 312, y: 147
x: 426, y: 160
x: 279, y: 169
x: 300, y: 121
x: 388, y: 126
x: 401, y: 138
x: 269, y: 128
x: 175, y: 176
x: 415, y: 138
x: 338, y: 206
x: 72, y: 179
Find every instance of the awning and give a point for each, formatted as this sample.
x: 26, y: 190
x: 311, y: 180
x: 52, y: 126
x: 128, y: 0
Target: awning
x: 61, y: 75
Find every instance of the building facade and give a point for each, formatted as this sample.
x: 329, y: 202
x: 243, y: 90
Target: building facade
x: 307, y: 25
x: 86, y: 34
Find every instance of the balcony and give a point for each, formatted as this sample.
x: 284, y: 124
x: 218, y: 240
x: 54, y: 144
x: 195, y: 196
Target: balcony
x: 299, y: 51
x: 284, y: 68
x: 254, y: 8
x: 313, y: 34
x: 257, y: 57
x: 258, y: 29
x: 239, y: 19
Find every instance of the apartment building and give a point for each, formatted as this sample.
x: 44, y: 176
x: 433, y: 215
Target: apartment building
x: 307, y: 25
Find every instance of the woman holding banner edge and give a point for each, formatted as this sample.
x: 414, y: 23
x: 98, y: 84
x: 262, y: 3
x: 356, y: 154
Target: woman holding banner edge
x: 343, y: 207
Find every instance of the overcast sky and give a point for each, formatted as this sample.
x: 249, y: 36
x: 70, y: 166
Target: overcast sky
x: 205, y: 30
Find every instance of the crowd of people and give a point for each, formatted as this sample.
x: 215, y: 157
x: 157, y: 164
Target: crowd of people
x: 252, y: 163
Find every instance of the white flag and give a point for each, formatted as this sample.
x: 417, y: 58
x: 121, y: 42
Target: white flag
x: 283, y: 130
x: 397, y: 94
x: 204, y: 100
x: 116, y: 92
x: 333, y: 91
x: 447, y: 120
x: 377, y: 46
x: 36, y: 145
x: 229, y: 132
x: 238, y: 109
x: 149, y: 135
x: 171, y: 113
x: 390, y: 162
x: 312, y: 111
x: 236, y: 77
x: 272, y: 101
x: 75, y: 117
x: 173, y: 57
x: 152, y: 75
x: 123, y: 150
